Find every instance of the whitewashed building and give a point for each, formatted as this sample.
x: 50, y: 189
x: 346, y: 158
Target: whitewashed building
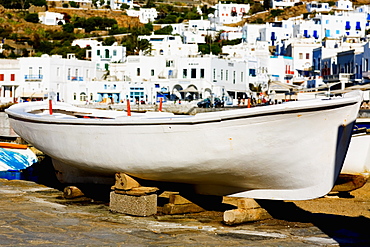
x: 103, y: 55
x: 51, y: 18
x: 165, y: 45
x: 68, y: 78
x: 283, y: 3
x: 318, y: 7
x: 149, y: 78
x: 227, y: 13
x: 276, y: 32
x: 145, y: 15
x: 10, y: 79
x: 116, y: 4
x: 83, y: 43
x: 343, y: 5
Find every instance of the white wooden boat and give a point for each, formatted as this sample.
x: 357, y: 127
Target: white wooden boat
x: 291, y: 151
x: 357, y: 160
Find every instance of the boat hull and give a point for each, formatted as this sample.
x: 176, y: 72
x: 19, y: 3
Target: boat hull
x: 293, y: 151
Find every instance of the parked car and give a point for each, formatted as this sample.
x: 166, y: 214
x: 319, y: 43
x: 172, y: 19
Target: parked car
x: 218, y: 103
x: 206, y: 103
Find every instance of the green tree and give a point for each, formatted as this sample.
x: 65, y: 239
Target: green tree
x: 73, y: 4
x: 255, y: 8
x: 68, y: 27
x: 109, y: 41
x: 124, y: 6
x: 32, y: 17
x: 149, y: 26
x: 145, y: 46
x: 167, y: 30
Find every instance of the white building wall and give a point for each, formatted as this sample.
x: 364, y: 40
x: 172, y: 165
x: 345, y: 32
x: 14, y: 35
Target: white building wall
x: 318, y: 7
x: 51, y: 18
x: 301, y: 51
x: 170, y: 45
x: 9, y: 80
x: 283, y: 3
x: 65, y: 77
x: 104, y: 55
x: 145, y: 15
x: 230, y: 13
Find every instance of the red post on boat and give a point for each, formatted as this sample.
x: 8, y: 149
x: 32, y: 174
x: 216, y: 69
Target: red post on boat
x: 249, y: 103
x: 128, y: 108
x: 50, y: 107
x: 160, y: 104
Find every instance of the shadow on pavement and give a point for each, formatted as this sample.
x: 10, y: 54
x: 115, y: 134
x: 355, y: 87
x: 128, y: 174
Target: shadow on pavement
x: 347, y: 231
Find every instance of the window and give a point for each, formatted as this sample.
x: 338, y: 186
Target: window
x: 233, y: 77
x: 114, y: 52
x: 214, y: 74
x: 184, y: 73
x: 307, y: 55
x: 193, y: 73
x: 222, y: 74
x: 76, y: 72
x: 138, y: 71
x: 241, y: 76
x: 58, y: 71
x: 91, y: 96
x: 169, y: 63
x: 152, y: 72
x: 227, y: 75
x: 1, y: 77
x: 12, y: 77
x: 300, y: 55
x: 201, y: 73
x: 74, y: 96
x: 252, y: 72
x: 98, y: 52
x: 40, y: 70
x: 69, y: 72
x: 107, y: 53
x: 83, y: 96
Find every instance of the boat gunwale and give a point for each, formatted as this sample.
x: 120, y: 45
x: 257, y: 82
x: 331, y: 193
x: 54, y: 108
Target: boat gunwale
x: 170, y: 120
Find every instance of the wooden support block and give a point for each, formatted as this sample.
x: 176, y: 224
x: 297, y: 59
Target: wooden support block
x: 231, y: 200
x: 167, y: 194
x: 178, y: 200
x: 139, y: 191
x: 247, y: 203
x: 133, y: 205
x: 125, y: 182
x: 170, y: 208
x: 72, y: 192
x: 349, y: 182
x: 238, y: 216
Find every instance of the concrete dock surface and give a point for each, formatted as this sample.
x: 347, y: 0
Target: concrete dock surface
x: 33, y: 214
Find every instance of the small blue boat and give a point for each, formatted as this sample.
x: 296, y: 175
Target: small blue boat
x: 13, y: 160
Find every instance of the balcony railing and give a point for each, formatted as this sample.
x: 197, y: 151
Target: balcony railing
x: 33, y: 77
x: 75, y: 78
x: 339, y: 77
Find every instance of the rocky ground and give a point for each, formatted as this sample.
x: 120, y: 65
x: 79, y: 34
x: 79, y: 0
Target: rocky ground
x: 37, y: 214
